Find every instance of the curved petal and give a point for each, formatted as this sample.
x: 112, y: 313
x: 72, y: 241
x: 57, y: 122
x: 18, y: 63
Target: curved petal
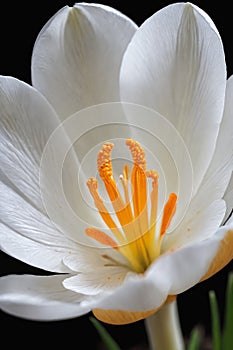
x: 45, y: 174
x: 225, y: 251
x: 77, y: 56
x: 84, y: 259
x: 170, y: 274
x: 118, y: 317
x: 30, y: 236
x: 213, y: 186
x: 39, y: 298
x: 26, y: 123
x: 97, y: 281
x: 219, y: 172
x: 175, y: 65
x: 197, y: 225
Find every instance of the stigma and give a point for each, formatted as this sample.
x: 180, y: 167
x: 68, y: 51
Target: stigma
x: 134, y: 230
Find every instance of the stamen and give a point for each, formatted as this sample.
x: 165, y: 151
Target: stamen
x: 126, y: 172
x: 155, y: 248
x: 124, y: 180
x: 139, y: 188
x: 93, y: 188
x: 154, y: 197
x: 138, y: 241
x: 168, y: 213
x: 101, y: 237
x: 137, y: 152
x: 139, y: 185
x: 123, y: 212
x: 104, y: 161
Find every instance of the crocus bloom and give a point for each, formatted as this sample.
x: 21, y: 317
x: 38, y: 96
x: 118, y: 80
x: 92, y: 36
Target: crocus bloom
x: 133, y: 265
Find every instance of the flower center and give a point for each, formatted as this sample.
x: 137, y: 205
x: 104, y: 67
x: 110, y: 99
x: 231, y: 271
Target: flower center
x: 138, y: 237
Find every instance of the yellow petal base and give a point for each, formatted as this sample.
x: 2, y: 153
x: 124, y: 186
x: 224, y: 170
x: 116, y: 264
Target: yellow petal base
x: 223, y: 257
x: 120, y: 317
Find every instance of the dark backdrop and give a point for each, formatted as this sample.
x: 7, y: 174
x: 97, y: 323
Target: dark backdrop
x: 18, y: 31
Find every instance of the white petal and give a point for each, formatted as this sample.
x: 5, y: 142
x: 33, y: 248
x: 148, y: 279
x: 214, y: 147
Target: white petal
x: 25, y: 125
x: 27, y: 121
x: 137, y: 293
x: 39, y: 298
x: 219, y: 172
x: 171, y: 274
x: 197, y: 225
x: 198, y: 259
x: 97, y: 281
x: 206, y: 212
x: 30, y: 236
x: 225, y: 252
x: 175, y: 65
x: 87, y: 257
x: 77, y: 56
x: 45, y: 174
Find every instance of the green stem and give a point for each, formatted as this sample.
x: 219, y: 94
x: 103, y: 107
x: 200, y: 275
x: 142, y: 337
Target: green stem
x: 216, y: 329
x: 163, y: 329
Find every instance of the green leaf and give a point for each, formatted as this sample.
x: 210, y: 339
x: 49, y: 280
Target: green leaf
x: 105, y: 336
x: 216, y: 330
x: 195, y: 340
x: 228, y: 321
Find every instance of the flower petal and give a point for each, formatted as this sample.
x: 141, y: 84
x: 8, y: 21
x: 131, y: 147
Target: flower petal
x: 119, y: 317
x: 84, y: 259
x: 25, y: 126
x: 170, y: 274
x: 30, y: 236
x: 40, y: 298
x: 197, y: 225
x: 219, y: 172
x: 97, y: 281
x: 45, y: 174
x: 175, y: 65
x: 77, y: 56
x: 225, y: 251
x: 213, y: 186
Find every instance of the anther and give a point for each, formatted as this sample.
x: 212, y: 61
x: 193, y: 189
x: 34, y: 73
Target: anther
x: 153, y: 175
x: 104, y: 162
x: 137, y: 152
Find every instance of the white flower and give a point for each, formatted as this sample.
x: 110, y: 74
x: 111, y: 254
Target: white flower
x: 86, y: 55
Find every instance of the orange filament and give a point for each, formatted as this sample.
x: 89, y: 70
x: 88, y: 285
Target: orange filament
x: 168, y: 213
x: 93, y: 187
x: 101, y: 237
x: 155, y: 250
x: 154, y: 196
x: 136, y: 238
x: 124, y: 180
x: 123, y: 211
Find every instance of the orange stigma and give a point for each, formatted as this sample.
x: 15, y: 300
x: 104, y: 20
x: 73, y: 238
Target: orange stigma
x: 135, y: 232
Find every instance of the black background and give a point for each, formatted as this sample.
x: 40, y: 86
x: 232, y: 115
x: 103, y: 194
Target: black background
x: 19, y: 26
